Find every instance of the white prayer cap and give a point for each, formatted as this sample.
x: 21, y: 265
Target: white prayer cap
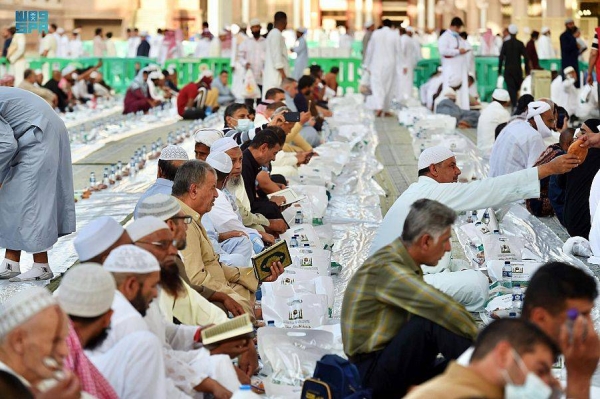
x: 131, y: 259
x: 537, y: 108
x: 156, y: 75
x: 301, y: 29
x: 220, y: 161
x: 368, y: 24
x: 96, y: 237
x: 545, y: 30
x: 569, y: 21
x: 161, y: 206
x: 68, y: 69
x: 568, y: 70
x: 145, y: 226
x: 38, y: 72
x: 207, y: 136
x: 512, y: 29
x: 433, y: 155
x: 173, y: 152
x: 144, y: 33
x: 22, y: 306
x: 206, y: 73
x: 255, y: 22
x: 553, y: 67
x: 86, y: 290
x: 410, y: 29
x: 455, y: 80
x: 171, y: 69
x: 94, y: 75
x: 60, y: 31
x: 77, y: 31
x: 501, y: 95
x: 224, y: 144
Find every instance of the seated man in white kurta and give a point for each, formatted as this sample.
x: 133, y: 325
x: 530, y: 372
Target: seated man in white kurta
x: 438, y: 176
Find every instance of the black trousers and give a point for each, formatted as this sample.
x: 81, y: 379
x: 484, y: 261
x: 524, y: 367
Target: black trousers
x: 513, y: 80
x: 268, y: 209
x: 193, y: 113
x: 411, y: 358
x: 250, y: 101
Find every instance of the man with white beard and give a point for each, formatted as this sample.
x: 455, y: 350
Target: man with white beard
x: 407, y: 61
x: 544, y: 47
x: 522, y: 141
x: 454, y: 60
x: 382, y: 55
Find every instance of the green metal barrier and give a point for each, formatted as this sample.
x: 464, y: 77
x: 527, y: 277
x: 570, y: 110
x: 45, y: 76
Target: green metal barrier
x: 486, y: 71
x: 425, y: 68
x: 350, y: 71
x: 188, y: 69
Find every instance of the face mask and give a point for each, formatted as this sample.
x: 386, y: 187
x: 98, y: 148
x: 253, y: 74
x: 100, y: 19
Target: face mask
x: 533, y: 388
x: 244, y: 125
x: 544, y: 130
x: 455, y: 34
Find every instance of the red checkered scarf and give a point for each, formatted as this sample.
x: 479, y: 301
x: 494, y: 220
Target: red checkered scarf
x: 91, y: 380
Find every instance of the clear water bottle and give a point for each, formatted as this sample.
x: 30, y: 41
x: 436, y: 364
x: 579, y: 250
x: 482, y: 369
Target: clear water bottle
x: 92, y: 180
x: 132, y: 166
x: 105, y: 179
x: 517, y: 297
x: 486, y: 218
x: 294, y: 242
x: 469, y: 217
x: 299, y: 219
x: 113, y: 172
x: 507, y: 275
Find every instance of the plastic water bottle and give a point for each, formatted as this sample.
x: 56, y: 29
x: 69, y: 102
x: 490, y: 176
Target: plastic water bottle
x: 245, y: 392
x: 507, y: 275
x: 294, y: 241
x: 486, y: 218
x: 517, y: 297
x: 105, y: 179
x: 92, y: 180
x: 299, y: 217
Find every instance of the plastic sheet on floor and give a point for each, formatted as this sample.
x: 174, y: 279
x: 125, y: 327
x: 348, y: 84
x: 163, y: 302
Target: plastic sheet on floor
x: 118, y: 201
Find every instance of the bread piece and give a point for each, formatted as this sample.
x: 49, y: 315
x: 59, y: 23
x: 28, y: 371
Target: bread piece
x: 579, y: 152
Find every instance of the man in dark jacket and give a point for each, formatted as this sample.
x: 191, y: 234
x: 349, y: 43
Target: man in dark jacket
x: 63, y: 98
x: 510, y: 58
x: 143, y: 49
x: 569, y: 52
x: 531, y: 51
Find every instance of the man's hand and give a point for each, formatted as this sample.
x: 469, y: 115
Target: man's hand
x: 278, y: 199
x: 67, y: 388
x: 209, y: 385
x: 231, y: 234
x: 266, y: 237
x: 276, y: 271
x: 99, y: 64
x: 277, y: 120
x: 405, y: 71
x: 590, y: 79
x: 232, y: 348
x: 244, y: 379
x: 590, y: 140
x: 581, y: 350
x: 463, y: 50
x: 278, y: 226
x: 248, y: 361
x: 305, y: 117
x: 282, y: 74
x: 232, y: 306
x: 559, y: 165
x: 302, y: 157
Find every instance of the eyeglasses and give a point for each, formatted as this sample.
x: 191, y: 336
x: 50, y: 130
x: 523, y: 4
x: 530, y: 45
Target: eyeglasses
x: 186, y: 219
x: 161, y: 244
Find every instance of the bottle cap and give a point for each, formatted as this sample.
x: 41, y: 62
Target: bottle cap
x: 572, y: 314
x: 245, y: 388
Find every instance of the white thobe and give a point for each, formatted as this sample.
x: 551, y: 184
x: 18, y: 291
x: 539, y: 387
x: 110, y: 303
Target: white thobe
x: 595, y: 195
x: 130, y: 338
x: 111, y: 50
x: 491, y: 116
x: 569, y: 96
x: 480, y: 194
x: 432, y: 88
x: 346, y: 41
x: 49, y: 44
x: 301, y: 62
x: 417, y: 45
x: 252, y: 52
x: 381, y: 58
x: 202, y: 49
x: 556, y: 92
x: 285, y: 163
x: 132, y: 46
x: 99, y: 46
x: 62, y: 46
x: 405, y: 68
x: 224, y: 218
x: 453, y: 64
x: 239, y: 69
x: 544, y: 48
x: 517, y: 147
x: 75, y: 48
x: 526, y: 85
x: 17, y: 57
x: 155, y: 45
x: 276, y: 58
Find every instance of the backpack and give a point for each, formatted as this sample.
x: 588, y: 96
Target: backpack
x: 334, y: 378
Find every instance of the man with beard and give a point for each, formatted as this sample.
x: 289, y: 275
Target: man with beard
x: 193, y: 370
x: 181, y: 301
x: 86, y: 294
x: 251, y: 55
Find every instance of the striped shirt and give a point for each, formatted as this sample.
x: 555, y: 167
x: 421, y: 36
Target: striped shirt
x: 595, y: 42
x: 383, y: 294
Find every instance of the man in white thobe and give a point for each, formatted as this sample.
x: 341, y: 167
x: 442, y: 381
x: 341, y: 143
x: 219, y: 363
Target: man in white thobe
x: 62, y: 41
x: 544, y: 47
x: 277, y: 66
x: 453, y: 52
x: 239, y: 70
x: 252, y: 53
x: 301, y: 51
x: 16, y: 57
x: 99, y: 45
x: 156, y: 43
x: 75, y: 45
x: 438, y: 176
x: 133, y: 42
x: 381, y: 59
x: 49, y: 44
x: 405, y: 67
x: 491, y: 116
x: 521, y: 142
x: 568, y: 94
x: 202, y: 49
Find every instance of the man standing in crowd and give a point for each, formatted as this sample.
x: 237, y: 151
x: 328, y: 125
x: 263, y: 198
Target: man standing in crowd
x: 453, y: 52
x: 569, y: 51
x: 380, y: 62
x: 301, y: 51
x: 510, y: 59
x: 277, y: 66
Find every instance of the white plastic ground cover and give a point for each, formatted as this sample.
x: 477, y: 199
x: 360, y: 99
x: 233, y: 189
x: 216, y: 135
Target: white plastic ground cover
x: 86, y: 114
x: 117, y: 201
